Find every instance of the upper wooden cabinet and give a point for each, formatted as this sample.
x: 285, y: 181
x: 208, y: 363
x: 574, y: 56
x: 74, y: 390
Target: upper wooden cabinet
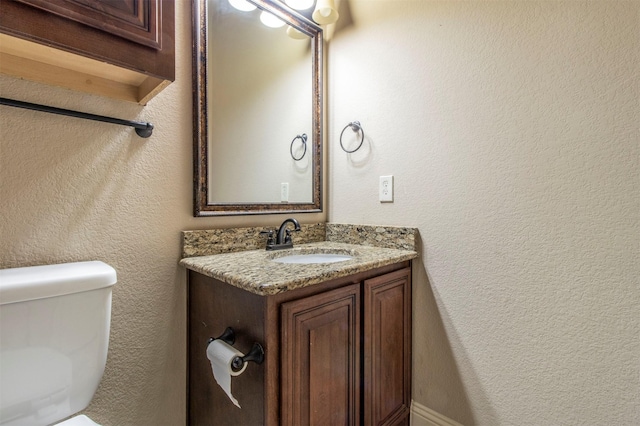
x: 117, y: 48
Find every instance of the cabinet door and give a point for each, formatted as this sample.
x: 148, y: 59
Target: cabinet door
x: 133, y: 34
x: 321, y: 359
x: 135, y: 20
x: 387, y: 349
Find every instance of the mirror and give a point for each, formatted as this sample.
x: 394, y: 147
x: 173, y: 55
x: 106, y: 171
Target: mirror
x: 257, y: 110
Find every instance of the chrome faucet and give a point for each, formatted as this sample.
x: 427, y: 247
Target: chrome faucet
x: 283, y: 235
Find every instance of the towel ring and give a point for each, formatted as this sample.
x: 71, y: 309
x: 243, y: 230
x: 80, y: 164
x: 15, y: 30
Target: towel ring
x: 303, y: 139
x: 355, y: 126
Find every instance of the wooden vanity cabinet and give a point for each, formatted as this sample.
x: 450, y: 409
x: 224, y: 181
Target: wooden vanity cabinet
x: 387, y: 349
x: 335, y: 353
x: 121, y: 49
x: 320, y: 354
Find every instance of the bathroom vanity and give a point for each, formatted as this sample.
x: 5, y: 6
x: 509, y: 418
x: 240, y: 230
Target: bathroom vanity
x: 336, y: 336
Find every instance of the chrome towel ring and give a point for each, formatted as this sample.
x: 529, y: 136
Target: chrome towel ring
x: 355, y: 126
x: 303, y: 139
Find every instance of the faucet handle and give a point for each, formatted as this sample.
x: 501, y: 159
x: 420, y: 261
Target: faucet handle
x: 287, y: 237
x: 269, y: 233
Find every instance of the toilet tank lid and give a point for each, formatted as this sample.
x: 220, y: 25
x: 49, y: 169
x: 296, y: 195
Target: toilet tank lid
x: 38, y: 282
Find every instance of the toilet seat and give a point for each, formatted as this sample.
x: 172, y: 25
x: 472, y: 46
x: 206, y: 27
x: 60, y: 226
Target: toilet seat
x: 80, y: 420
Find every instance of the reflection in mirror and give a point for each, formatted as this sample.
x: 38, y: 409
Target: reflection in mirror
x: 259, y: 101
x: 257, y: 110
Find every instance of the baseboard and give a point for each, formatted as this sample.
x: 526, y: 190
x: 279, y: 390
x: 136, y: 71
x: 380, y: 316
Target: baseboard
x: 425, y: 416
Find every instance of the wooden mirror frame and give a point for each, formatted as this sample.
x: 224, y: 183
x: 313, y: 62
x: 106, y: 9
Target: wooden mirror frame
x: 202, y: 206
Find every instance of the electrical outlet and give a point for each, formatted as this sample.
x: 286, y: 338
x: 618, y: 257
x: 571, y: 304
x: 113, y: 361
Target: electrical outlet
x: 386, y: 189
x: 284, y: 192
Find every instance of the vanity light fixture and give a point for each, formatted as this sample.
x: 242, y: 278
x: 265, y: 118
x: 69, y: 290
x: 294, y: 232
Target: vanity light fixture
x: 325, y: 12
x: 242, y: 5
x: 270, y: 20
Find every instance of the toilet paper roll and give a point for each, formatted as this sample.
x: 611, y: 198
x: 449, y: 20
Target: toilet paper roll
x: 221, y: 354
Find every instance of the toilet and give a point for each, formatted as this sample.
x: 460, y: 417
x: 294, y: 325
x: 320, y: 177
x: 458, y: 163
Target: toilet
x: 54, y: 336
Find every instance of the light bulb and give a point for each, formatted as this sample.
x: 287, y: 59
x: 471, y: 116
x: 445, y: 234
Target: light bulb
x: 300, y: 4
x: 325, y: 12
x: 270, y: 20
x: 242, y: 5
x: 296, y: 34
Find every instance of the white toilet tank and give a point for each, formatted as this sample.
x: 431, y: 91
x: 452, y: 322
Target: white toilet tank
x: 54, y: 337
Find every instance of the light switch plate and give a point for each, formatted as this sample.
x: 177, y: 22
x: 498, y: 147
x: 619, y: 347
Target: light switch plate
x: 284, y: 192
x: 386, y: 189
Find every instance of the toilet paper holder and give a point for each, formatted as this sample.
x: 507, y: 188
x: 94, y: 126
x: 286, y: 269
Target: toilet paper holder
x: 256, y: 354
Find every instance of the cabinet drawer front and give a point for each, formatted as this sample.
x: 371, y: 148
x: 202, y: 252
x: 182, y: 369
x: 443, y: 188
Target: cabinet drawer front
x: 321, y: 359
x: 387, y: 348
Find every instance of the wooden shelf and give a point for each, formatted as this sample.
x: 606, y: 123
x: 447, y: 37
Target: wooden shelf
x: 32, y: 61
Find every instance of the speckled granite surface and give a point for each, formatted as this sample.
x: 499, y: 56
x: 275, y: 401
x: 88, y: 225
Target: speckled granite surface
x: 238, y: 257
x: 229, y: 240
x: 397, y: 237
x: 256, y: 272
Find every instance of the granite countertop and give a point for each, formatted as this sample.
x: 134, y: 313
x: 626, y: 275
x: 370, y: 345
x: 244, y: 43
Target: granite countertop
x: 256, y: 272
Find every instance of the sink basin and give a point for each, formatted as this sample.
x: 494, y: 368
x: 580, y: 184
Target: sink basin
x: 313, y: 258
x: 305, y: 255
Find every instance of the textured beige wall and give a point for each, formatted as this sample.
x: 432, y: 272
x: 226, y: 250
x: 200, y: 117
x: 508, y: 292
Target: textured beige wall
x: 511, y: 128
x: 77, y: 190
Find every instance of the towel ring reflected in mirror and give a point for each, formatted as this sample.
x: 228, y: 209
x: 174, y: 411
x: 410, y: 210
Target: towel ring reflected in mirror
x: 303, y: 139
